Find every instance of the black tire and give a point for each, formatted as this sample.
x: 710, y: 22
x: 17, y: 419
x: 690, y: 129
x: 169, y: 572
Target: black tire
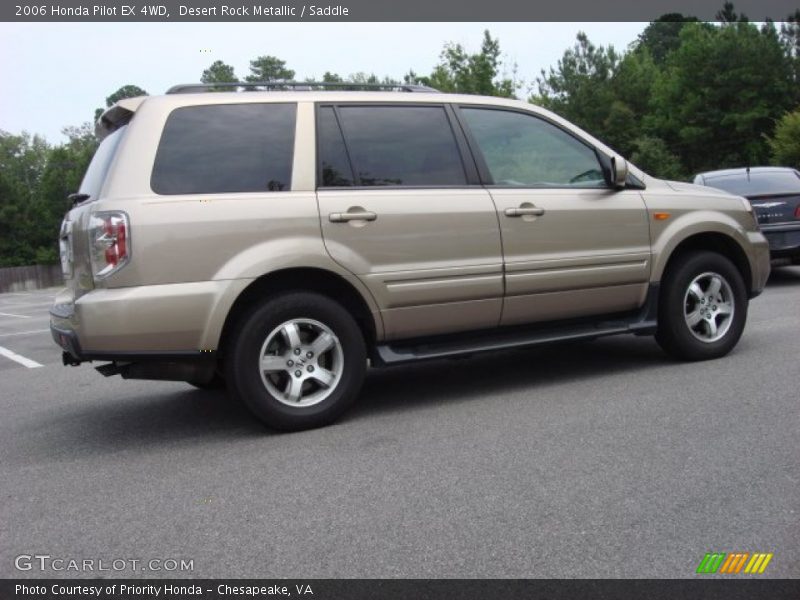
x: 217, y: 382
x: 674, y: 334
x: 243, y: 361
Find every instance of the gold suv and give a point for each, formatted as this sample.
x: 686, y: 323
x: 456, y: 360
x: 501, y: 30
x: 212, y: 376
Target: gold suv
x: 280, y: 238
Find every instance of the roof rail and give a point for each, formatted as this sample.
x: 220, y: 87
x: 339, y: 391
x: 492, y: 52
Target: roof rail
x: 247, y: 86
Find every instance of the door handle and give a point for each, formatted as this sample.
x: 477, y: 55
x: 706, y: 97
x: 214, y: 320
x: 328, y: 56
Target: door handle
x: 522, y: 211
x: 361, y: 215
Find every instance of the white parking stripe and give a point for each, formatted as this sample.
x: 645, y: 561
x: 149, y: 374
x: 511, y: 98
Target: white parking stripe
x: 27, y: 362
x: 24, y: 332
x: 12, y: 315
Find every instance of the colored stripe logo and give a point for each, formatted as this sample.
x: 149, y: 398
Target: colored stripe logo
x: 734, y: 562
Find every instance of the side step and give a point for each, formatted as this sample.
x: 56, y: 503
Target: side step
x: 403, y: 352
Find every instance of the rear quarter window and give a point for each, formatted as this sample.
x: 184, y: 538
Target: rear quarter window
x: 226, y: 148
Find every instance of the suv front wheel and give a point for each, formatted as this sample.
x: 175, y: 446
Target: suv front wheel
x: 297, y: 361
x: 703, y: 307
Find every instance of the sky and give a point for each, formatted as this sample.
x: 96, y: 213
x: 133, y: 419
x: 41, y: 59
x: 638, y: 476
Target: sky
x: 55, y: 74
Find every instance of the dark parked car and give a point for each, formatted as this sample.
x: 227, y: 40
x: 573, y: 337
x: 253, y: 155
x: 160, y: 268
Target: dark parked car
x: 774, y: 193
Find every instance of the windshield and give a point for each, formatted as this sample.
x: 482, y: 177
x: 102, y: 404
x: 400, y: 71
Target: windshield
x: 98, y: 168
x: 759, y: 184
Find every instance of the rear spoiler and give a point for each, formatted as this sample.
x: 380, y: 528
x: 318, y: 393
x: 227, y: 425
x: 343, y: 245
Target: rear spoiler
x: 117, y: 116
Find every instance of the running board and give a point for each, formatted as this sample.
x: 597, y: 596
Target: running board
x: 403, y: 352
x: 642, y: 322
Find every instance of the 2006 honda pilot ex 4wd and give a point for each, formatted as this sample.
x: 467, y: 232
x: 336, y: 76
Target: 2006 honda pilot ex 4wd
x: 277, y: 242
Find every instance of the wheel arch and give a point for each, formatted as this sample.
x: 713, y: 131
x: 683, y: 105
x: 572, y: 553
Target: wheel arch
x: 713, y: 241
x: 303, y: 279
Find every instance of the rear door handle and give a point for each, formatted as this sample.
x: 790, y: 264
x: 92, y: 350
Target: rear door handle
x: 524, y: 210
x: 362, y: 215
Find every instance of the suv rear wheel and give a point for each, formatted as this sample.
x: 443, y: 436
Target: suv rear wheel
x: 703, y: 307
x: 297, y: 361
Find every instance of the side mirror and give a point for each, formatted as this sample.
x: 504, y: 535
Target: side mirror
x: 619, y: 171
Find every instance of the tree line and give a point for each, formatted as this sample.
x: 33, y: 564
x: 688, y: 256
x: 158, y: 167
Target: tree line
x: 685, y: 96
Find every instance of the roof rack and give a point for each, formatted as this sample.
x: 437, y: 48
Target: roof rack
x: 248, y: 86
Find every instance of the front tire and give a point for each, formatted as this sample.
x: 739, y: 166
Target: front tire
x: 297, y: 361
x: 703, y: 307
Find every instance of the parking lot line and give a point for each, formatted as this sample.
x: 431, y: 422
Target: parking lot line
x: 2, y: 314
x: 31, y: 332
x: 27, y: 362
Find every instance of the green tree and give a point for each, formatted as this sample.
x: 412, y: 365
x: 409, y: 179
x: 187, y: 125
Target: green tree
x: 652, y: 154
x: 728, y: 15
x: 269, y: 68
x: 23, y: 159
x: 460, y: 72
x: 785, y: 143
x: 219, y: 72
x: 719, y: 95
x: 632, y: 82
x: 790, y: 38
x: 662, y: 36
x: 62, y: 175
x: 579, y: 87
x: 126, y: 91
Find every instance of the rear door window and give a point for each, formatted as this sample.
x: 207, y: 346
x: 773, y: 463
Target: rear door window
x: 226, y: 148
x: 335, y: 169
x: 405, y: 145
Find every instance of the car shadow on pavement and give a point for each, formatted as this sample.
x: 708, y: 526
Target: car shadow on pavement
x: 475, y: 378
x: 784, y: 276
x: 137, y: 421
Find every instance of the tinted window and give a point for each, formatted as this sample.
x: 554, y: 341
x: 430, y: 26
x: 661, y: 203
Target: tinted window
x: 334, y: 164
x: 523, y: 150
x: 226, y: 148
x: 758, y: 184
x: 401, y: 145
x: 101, y: 161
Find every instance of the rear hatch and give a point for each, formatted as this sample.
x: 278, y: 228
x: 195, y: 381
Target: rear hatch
x: 74, y: 245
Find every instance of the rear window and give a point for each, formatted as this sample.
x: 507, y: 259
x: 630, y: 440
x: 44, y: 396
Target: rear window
x: 101, y: 161
x: 758, y: 184
x: 226, y: 148
x: 390, y: 146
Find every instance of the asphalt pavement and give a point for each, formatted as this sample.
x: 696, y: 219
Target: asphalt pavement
x: 601, y: 459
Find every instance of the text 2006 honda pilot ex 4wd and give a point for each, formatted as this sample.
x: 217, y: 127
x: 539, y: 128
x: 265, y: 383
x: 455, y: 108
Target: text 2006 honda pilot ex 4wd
x: 278, y: 240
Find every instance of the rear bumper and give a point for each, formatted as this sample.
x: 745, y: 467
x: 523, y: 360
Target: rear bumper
x: 68, y: 340
x: 784, y: 239
x: 159, y: 321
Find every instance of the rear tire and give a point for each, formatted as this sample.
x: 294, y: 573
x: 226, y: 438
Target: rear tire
x: 297, y: 361
x: 703, y: 307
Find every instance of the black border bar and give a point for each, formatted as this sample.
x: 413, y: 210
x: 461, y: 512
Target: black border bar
x: 711, y: 588
x: 380, y: 10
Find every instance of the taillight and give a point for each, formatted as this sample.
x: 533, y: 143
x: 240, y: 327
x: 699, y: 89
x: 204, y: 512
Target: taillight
x: 797, y: 212
x: 109, y: 242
